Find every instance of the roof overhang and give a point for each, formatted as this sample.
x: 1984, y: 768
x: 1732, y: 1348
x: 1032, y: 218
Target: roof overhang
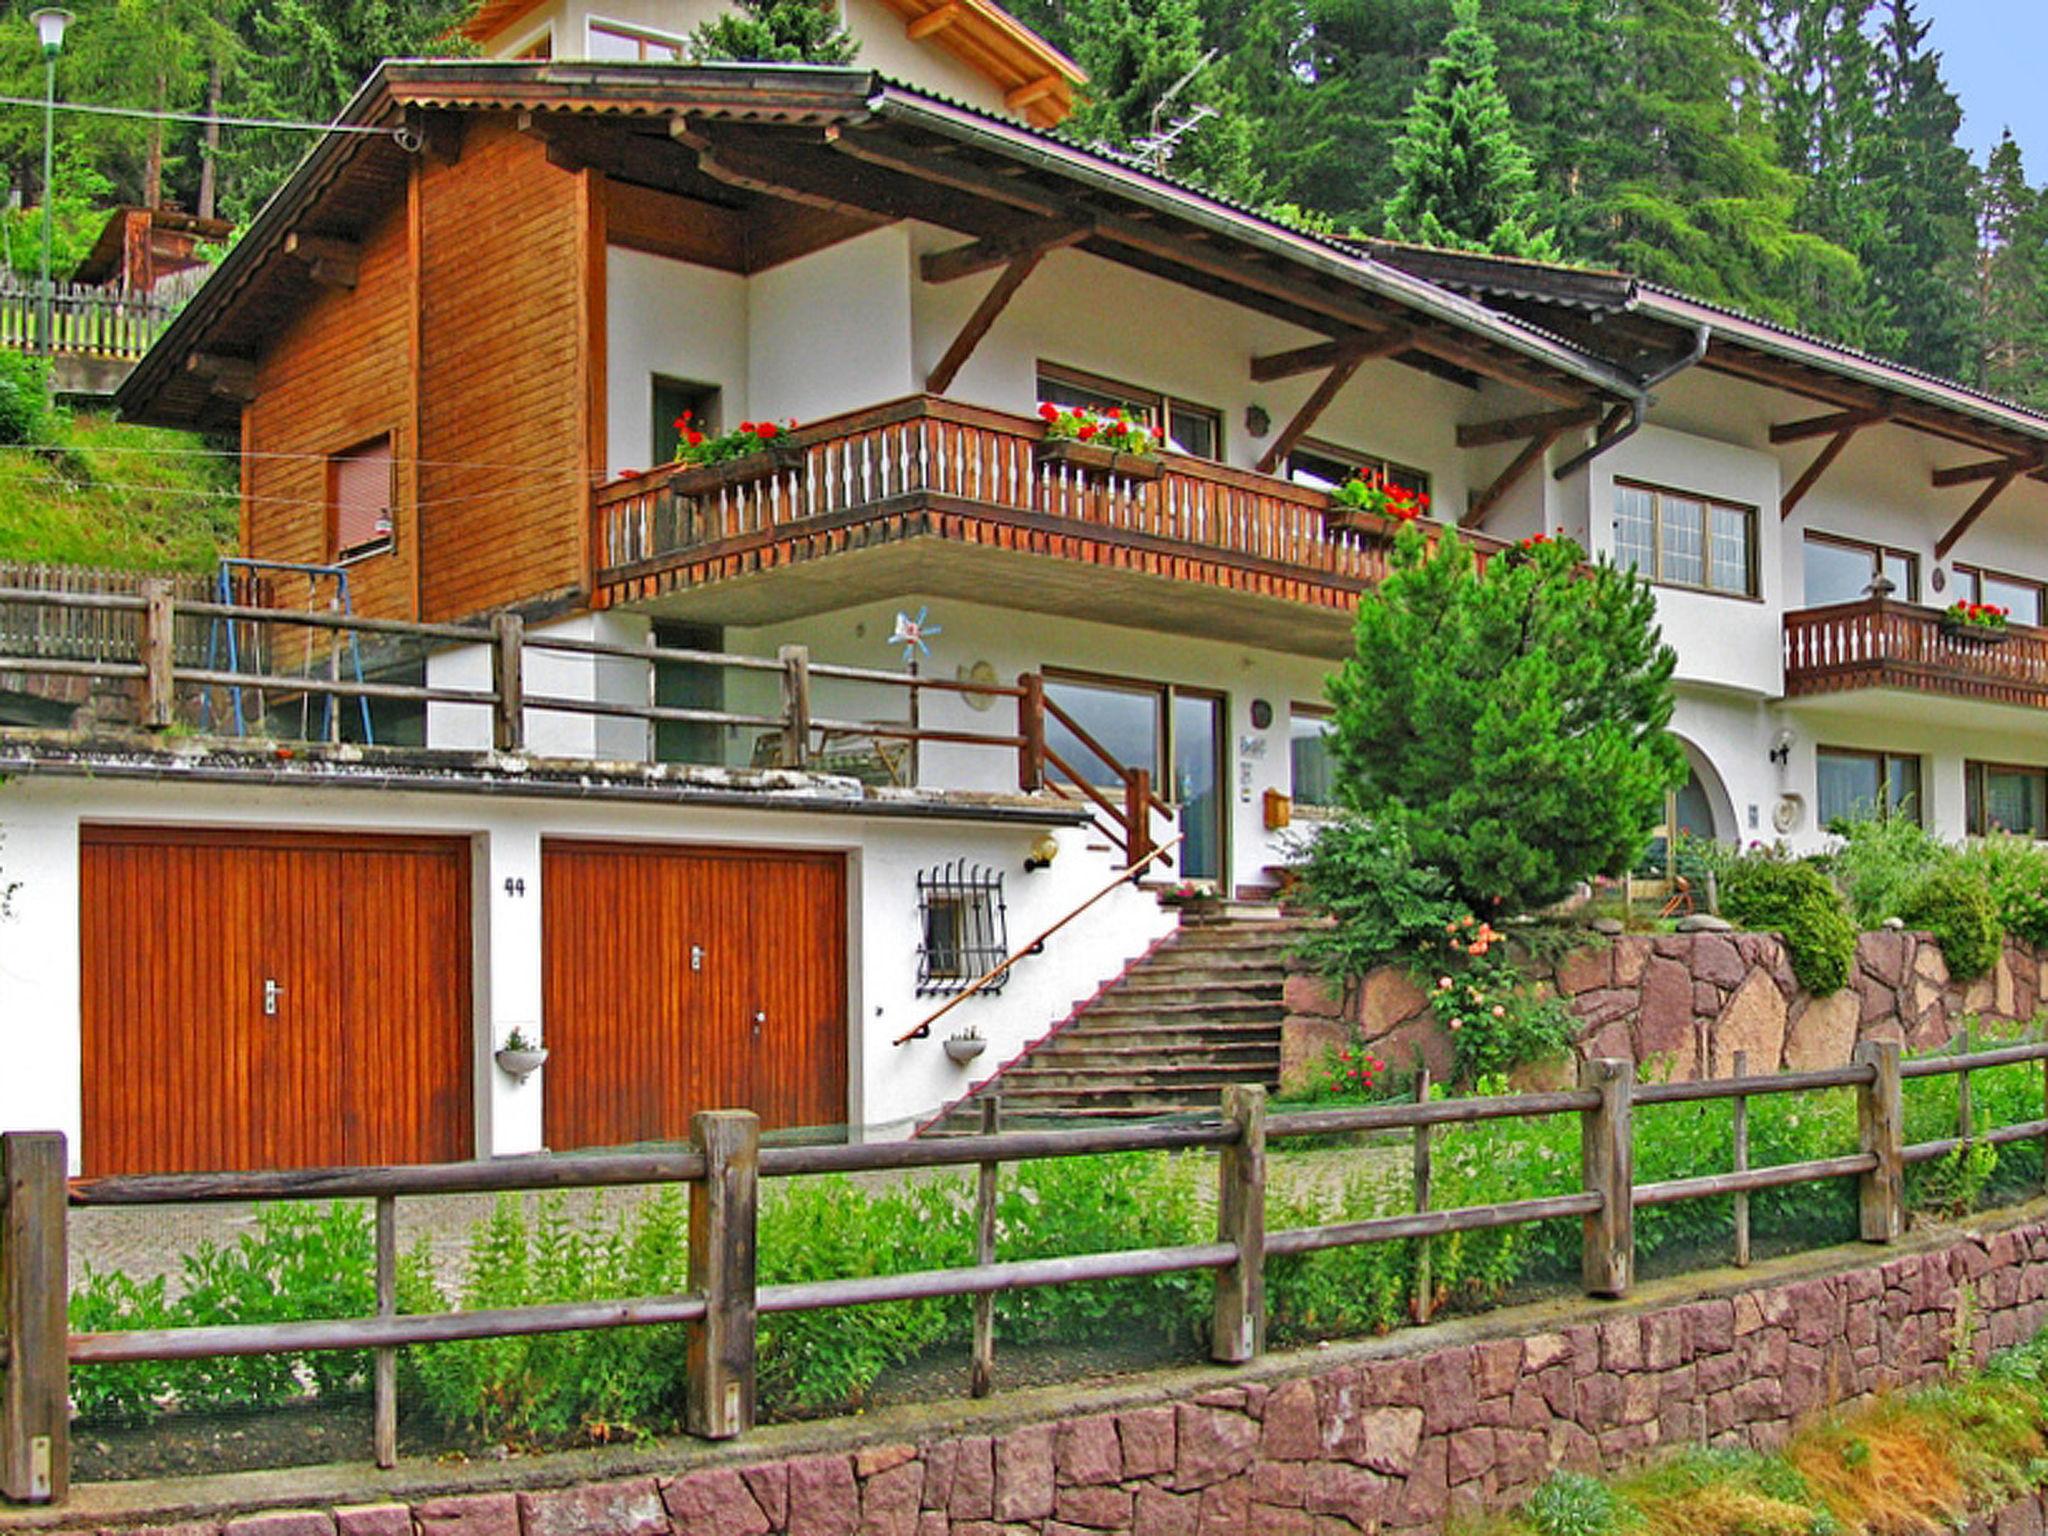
x: 840, y: 139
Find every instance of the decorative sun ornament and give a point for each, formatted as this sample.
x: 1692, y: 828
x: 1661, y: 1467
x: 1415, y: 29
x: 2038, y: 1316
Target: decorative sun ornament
x: 911, y: 634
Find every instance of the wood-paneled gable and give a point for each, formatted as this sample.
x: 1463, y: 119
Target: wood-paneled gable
x: 510, y: 336
x: 341, y: 375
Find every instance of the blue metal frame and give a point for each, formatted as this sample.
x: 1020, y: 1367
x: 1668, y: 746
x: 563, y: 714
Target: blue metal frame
x: 224, y: 593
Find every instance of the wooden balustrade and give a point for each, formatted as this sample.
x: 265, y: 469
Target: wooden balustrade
x: 983, y: 471
x: 85, y: 321
x: 1880, y: 643
x: 721, y: 1308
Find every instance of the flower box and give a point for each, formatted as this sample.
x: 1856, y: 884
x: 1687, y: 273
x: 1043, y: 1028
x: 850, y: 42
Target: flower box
x: 520, y: 1063
x: 1974, y: 634
x: 1090, y: 459
x: 703, y: 479
x: 1339, y: 517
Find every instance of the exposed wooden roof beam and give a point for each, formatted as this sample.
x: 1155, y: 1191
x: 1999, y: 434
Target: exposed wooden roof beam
x: 1481, y: 434
x: 999, y: 250
x: 1822, y: 461
x: 737, y: 166
x: 1531, y: 455
x: 229, y: 378
x: 1285, y: 365
x: 1824, y: 426
x: 937, y: 19
x: 1977, y: 509
x: 992, y: 305
x: 1031, y: 91
x: 1971, y: 474
x: 332, y: 263
x: 1298, y: 288
x: 1347, y: 362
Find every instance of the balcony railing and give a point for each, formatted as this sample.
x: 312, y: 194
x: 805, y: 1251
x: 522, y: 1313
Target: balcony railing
x: 1879, y: 643
x: 929, y: 465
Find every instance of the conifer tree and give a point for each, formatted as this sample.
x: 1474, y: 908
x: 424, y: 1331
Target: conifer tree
x: 1466, y: 181
x: 2011, y: 269
x: 776, y: 32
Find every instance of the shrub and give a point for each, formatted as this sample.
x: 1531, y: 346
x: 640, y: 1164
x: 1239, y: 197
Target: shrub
x: 1381, y: 903
x: 2016, y: 869
x: 1797, y: 901
x: 24, y: 396
x: 1352, y: 1074
x: 1953, y: 902
x: 1510, y: 722
x: 1496, y: 1020
x: 1880, y: 862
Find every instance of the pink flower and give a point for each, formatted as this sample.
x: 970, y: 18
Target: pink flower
x: 1443, y: 983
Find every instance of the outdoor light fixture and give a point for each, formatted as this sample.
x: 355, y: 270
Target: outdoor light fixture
x: 1043, y: 852
x: 50, y: 24
x: 1781, y: 754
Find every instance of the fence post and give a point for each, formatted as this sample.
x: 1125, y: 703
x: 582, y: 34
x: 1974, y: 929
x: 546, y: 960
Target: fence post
x: 1741, y: 1163
x: 1031, y: 729
x: 35, y: 1411
x: 1607, y: 1163
x: 796, y: 705
x: 723, y: 1206
x: 982, y: 1369
x: 1425, y: 1279
x: 1137, y: 814
x: 1239, y: 1333
x: 1880, y: 1123
x: 1966, y: 1119
x: 384, y: 1363
x: 508, y: 682
x: 159, y: 687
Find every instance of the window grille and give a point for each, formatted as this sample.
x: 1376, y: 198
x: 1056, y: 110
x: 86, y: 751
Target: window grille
x: 963, y: 927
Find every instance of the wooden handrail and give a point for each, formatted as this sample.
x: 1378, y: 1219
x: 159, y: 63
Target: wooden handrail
x: 1882, y: 642
x: 1123, y: 876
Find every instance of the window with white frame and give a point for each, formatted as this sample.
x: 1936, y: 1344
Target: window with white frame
x: 616, y: 40
x: 1196, y: 430
x: 1681, y: 540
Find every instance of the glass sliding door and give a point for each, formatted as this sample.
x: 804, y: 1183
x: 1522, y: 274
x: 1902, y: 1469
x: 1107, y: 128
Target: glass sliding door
x: 1175, y: 734
x: 1199, y: 786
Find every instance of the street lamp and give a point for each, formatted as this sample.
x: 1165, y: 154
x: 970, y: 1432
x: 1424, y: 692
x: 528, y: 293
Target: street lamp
x: 50, y: 24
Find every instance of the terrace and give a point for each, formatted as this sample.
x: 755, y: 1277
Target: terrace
x: 1880, y: 643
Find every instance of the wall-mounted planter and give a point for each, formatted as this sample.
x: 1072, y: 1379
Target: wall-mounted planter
x: 1076, y: 454
x: 964, y: 1048
x: 1975, y: 634
x: 706, y: 478
x: 520, y: 1065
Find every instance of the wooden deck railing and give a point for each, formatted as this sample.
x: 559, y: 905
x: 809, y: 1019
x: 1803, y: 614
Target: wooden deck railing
x: 723, y: 1168
x: 930, y: 453
x: 85, y: 321
x: 156, y: 639
x: 1880, y: 643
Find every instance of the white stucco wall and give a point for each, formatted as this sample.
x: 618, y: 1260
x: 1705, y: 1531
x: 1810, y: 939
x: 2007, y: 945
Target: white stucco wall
x: 40, y: 944
x: 675, y: 320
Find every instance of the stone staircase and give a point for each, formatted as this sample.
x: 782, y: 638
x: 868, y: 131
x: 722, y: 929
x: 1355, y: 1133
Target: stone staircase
x: 1201, y: 1010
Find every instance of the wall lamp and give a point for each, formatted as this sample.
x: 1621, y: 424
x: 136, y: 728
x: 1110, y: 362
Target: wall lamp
x: 1781, y: 754
x: 1043, y: 852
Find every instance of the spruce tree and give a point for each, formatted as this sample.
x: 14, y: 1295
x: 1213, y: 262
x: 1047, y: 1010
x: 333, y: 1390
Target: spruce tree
x: 2011, y: 272
x: 776, y: 32
x: 1466, y: 180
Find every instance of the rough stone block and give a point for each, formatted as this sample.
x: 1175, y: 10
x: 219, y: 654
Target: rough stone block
x: 714, y: 1503
x: 973, y: 1495
x: 1146, y: 1435
x: 282, y: 1522
x: 1161, y: 1513
x: 1087, y: 1452
x: 889, y: 1500
x: 463, y: 1514
x: 824, y: 1499
x: 1290, y: 1431
x: 373, y: 1520
x: 1024, y: 1474
x: 1097, y: 1508
x: 1213, y: 1444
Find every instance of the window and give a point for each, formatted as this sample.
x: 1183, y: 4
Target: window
x: 1196, y: 430
x: 1323, y: 467
x: 1308, y: 751
x: 611, y: 40
x: 2003, y: 798
x: 963, y: 928
x: 1866, y: 786
x: 1685, y: 541
x: 1842, y: 570
x: 360, y: 493
x: 2017, y: 593
x: 672, y: 397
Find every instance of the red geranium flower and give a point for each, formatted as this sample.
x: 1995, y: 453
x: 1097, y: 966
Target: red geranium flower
x: 1048, y: 412
x: 765, y: 431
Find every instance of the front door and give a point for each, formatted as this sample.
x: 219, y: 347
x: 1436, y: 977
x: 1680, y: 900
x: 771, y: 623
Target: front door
x: 1175, y: 733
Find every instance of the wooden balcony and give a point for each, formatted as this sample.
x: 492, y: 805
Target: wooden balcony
x: 926, y: 468
x: 1879, y: 643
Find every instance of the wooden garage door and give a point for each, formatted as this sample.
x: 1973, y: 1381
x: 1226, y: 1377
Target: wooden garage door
x: 365, y: 1054
x: 680, y: 979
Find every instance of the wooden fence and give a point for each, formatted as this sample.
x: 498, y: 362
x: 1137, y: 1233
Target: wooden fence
x: 157, y: 639
x: 723, y: 1168
x: 85, y: 321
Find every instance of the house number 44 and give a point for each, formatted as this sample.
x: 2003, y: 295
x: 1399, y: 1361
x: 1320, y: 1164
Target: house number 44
x: 514, y: 886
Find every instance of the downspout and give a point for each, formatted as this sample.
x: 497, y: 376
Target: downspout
x: 1640, y: 406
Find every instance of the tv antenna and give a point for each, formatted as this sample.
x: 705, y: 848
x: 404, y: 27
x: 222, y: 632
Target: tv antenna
x: 1164, y: 135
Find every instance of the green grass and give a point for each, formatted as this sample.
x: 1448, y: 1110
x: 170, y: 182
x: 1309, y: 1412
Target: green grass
x: 98, y: 492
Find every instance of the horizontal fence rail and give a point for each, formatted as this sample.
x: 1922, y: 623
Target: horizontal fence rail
x: 1879, y: 642
x: 723, y: 1167
x: 87, y: 321
x: 166, y: 635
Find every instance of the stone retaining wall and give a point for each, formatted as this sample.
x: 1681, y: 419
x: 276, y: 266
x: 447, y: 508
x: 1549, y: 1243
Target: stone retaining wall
x: 1395, y: 1436
x: 1691, y: 1001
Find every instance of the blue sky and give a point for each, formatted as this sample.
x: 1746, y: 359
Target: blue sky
x: 1994, y: 52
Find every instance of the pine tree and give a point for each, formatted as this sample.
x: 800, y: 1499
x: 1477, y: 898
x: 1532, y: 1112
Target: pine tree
x: 776, y: 32
x: 1920, y: 262
x: 1467, y: 182
x: 2011, y: 272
